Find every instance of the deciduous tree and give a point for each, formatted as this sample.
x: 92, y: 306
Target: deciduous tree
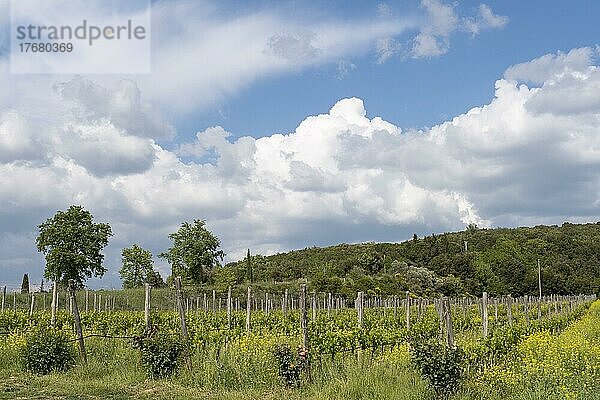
x: 137, y: 268
x: 194, y: 253
x: 72, y: 245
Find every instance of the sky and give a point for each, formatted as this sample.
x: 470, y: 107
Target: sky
x: 291, y: 124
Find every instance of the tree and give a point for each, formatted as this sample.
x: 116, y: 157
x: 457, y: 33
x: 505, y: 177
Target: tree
x: 194, y: 253
x: 224, y: 277
x: 72, y: 245
x: 137, y: 268
x: 155, y: 280
x: 25, y: 284
x: 249, y: 267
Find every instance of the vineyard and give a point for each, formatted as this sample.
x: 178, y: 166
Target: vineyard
x: 241, y: 344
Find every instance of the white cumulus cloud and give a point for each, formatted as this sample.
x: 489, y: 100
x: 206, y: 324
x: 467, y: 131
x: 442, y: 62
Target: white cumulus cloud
x: 341, y: 176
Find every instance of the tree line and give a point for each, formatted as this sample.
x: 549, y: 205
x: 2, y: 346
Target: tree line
x: 498, y: 261
x: 72, y: 245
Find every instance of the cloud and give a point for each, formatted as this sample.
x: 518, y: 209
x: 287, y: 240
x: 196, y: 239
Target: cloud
x: 550, y: 67
x: 442, y: 21
x: 340, y: 176
x: 220, y: 55
x: 485, y: 19
x: 220, y: 52
x: 344, y: 68
x: 293, y: 47
x: 386, y: 48
x: 17, y: 139
x: 103, y: 149
x: 123, y: 106
x: 433, y: 39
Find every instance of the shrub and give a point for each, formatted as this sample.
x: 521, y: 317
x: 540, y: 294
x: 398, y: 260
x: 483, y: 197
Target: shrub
x: 46, y: 350
x: 440, y: 364
x: 160, y: 354
x: 290, y: 364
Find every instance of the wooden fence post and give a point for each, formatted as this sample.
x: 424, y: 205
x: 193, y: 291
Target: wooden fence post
x: 439, y: 309
x: 266, y: 303
x: 214, y: 301
x: 229, y: 308
x: 32, y: 304
x: 304, y: 322
x: 509, y: 310
x: 526, y: 304
x: 407, y: 305
x: 78, y: 329
x: 484, y: 314
x: 184, y: 332
x: 87, y: 300
x: 447, y: 311
x: 284, y: 305
x: 148, y: 289
x: 359, y: 308
x: 248, y: 310
x: 3, y: 297
x: 314, y: 305
x: 495, y: 312
x: 54, y: 303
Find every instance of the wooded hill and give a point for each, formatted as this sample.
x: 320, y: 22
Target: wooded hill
x: 499, y: 261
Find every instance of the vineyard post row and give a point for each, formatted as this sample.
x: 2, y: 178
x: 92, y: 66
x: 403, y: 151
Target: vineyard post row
x: 104, y: 301
x: 443, y: 307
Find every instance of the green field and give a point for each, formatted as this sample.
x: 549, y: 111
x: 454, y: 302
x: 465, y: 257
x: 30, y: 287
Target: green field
x: 557, y: 357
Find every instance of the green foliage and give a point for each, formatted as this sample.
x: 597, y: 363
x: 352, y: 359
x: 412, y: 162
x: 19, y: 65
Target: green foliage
x: 441, y: 365
x: 72, y: 244
x: 194, y: 253
x: 499, y: 261
x: 249, y: 272
x: 137, y: 268
x: 25, y: 284
x: 224, y: 277
x: 160, y: 354
x: 290, y: 365
x: 46, y: 350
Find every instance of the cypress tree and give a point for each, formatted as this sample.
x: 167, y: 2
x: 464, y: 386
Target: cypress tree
x: 249, y: 267
x: 25, y: 284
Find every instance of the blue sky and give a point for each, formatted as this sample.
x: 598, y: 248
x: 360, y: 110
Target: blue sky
x: 292, y: 124
x: 408, y: 92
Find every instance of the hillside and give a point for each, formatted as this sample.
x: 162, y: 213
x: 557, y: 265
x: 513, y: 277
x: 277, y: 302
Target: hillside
x: 499, y: 261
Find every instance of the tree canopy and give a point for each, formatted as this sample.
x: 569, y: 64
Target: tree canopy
x: 499, y: 261
x: 25, y: 284
x: 194, y: 253
x: 72, y: 245
x: 138, y: 268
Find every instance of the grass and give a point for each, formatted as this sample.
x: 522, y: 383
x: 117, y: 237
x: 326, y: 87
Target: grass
x: 543, y: 366
x: 114, y: 372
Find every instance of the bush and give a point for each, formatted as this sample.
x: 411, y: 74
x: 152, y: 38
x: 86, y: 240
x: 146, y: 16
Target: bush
x: 160, y: 354
x: 290, y: 365
x: 440, y: 364
x: 46, y: 350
